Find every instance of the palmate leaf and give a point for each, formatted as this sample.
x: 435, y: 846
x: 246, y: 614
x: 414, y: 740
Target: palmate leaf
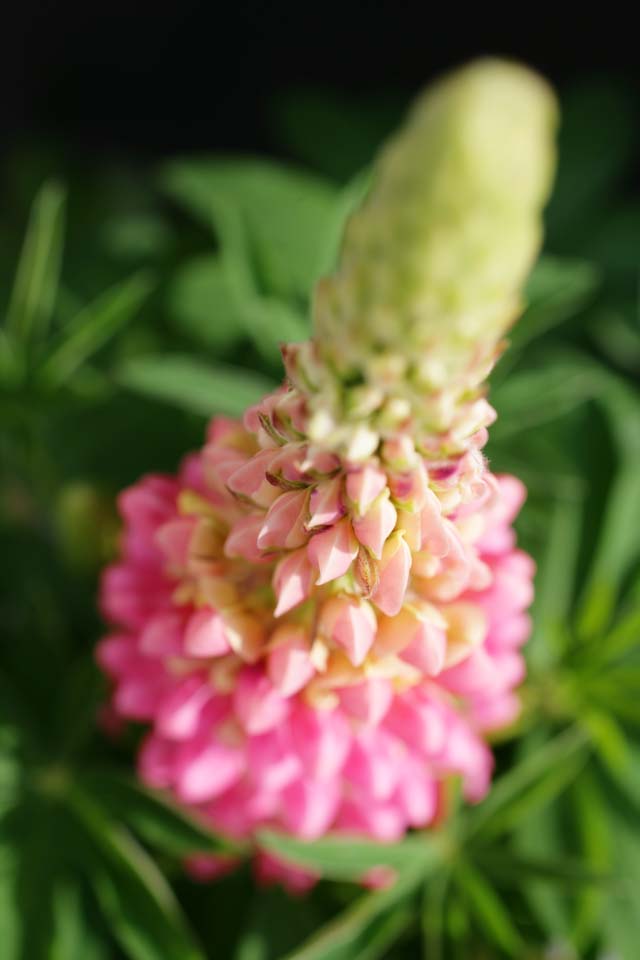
x: 288, y: 215
x: 202, y: 388
x: 210, y: 305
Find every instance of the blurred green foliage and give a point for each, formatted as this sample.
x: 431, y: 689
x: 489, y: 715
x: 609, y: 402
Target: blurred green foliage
x: 137, y: 306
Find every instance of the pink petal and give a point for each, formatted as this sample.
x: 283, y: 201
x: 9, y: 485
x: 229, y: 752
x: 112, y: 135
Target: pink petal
x: 364, y: 486
x: 351, y: 623
x: 326, y: 504
x: 393, y: 570
x: 292, y: 581
x: 368, y: 701
x: 242, y: 540
x: 206, y: 772
x: 205, y: 635
x: 179, y: 712
x: 309, y: 807
x: 284, y: 523
x: 289, y: 663
x: 322, y: 739
x: 333, y: 551
x: 375, y: 526
x: 257, y: 704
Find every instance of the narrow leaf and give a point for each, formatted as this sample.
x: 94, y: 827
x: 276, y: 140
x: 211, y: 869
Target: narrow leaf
x: 348, y: 933
x: 158, y: 820
x: 138, y: 904
x: 557, y: 758
x: 489, y: 910
x: 201, y: 388
x: 96, y: 323
x: 36, y: 283
x: 349, y: 858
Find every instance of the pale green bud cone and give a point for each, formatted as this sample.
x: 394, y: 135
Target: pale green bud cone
x: 432, y: 265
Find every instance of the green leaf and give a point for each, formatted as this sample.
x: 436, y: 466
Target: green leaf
x: 37, y: 276
x: 588, y: 169
x: 567, y: 871
x: 618, y: 545
x: 621, y: 918
x: 592, y: 825
x: 532, y: 397
x: 287, y: 214
x: 555, y: 581
x: 557, y: 289
x: 349, y: 858
x: 202, y: 303
x: 201, y: 388
x: 73, y: 937
x: 488, y: 908
x: 358, y: 928
x: 530, y: 783
x: 137, y: 902
x: 158, y: 820
x: 96, y: 323
x: 210, y: 306
x: 273, y: 925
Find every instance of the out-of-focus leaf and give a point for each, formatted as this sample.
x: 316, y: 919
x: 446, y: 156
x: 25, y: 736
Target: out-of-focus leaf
x: 557, y: 289
x: 73, y: 937
x: 10, y: 914
x: 271, y: 928
x: 555, y: 581
x: 94, y: 326
x: 209, y: 306
x: 589, y: 165
x: 609, y: 740
x: 139, y: 236
x: 202, y: 303
x: 533, y: 781
x: 139, y: 905
x: 592, y: 826
x: 488, y: 908
x: 617, y: 337
x: 311, y: 123
x: 433, y: 916
x: 621, y: 918
x: 624, y: 637
x: 287, y: 214
x: 155, y: 818
x: 618, y: 543
x: 543, y: 834
x: 354, y: 930
x: 567, y: 872
x: 532, y: 397
x: 350, y: 858
x: 203, y: 388
x: 36, y: 283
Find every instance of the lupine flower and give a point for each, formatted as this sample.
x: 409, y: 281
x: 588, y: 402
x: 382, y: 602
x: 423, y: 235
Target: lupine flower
x: 320, y: 618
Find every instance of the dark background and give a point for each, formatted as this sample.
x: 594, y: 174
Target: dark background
x: 149, y: 78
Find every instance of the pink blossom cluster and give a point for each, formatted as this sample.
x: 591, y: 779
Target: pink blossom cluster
x: 316, y: 644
